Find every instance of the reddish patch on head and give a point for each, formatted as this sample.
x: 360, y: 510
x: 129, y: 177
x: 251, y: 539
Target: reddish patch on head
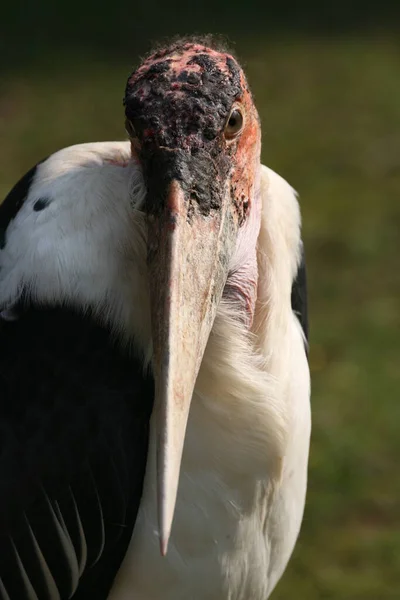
x: 247, y: 153
x: 182, y: 60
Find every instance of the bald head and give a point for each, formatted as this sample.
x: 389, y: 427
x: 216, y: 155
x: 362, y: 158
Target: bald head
x: 182, y: 96
x: 192, y: 100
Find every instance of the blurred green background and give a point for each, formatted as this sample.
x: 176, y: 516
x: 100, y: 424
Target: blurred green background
x: 326, y: 81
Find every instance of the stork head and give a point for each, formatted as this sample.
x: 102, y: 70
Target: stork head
x: 195, y: 132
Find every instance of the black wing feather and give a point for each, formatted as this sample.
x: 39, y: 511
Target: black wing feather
x: 74, y: 419
x: 299, y: 295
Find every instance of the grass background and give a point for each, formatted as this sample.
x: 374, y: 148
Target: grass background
x: 330, y: 108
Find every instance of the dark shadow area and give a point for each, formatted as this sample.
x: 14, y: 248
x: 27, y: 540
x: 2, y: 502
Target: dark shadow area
x: 47, y: 30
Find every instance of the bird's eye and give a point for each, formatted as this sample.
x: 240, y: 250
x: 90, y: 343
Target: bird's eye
x: 234, y: 124
x: 130, y: 130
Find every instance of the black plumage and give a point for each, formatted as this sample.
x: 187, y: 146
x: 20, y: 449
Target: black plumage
x: 74, y: 415
x: 299, y: 295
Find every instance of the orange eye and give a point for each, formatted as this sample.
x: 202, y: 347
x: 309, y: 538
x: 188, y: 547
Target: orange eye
x: 234, y: 124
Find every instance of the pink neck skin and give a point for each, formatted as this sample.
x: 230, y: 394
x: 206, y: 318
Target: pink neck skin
x: 241, y: 287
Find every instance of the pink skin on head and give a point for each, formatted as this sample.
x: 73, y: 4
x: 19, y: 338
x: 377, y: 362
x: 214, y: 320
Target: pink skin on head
x: 179, y: 60
x: 241, y: 286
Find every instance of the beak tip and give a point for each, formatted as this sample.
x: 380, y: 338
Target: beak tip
x: 164, y: 539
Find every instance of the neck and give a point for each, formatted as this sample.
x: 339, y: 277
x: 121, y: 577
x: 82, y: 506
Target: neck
x: 241, y: 286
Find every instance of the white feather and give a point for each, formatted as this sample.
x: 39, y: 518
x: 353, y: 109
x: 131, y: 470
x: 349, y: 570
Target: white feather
x: 87, y: 248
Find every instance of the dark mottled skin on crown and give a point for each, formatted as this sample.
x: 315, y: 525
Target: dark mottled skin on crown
x: 178, y: 102
x: 184, y: 100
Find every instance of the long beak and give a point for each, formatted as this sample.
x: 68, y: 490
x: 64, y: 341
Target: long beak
x: 188, y: 257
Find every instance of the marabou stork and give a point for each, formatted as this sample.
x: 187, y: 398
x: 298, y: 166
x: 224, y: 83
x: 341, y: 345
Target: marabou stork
x: 167, y: 267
